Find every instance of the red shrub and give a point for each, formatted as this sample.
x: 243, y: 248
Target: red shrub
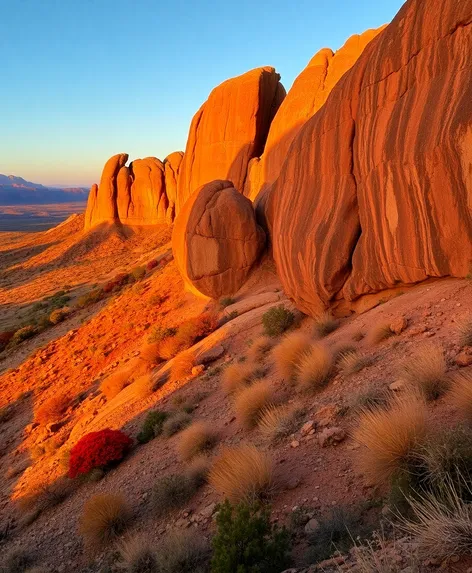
x: 5, y: 338
x: 97, y: 450
x: 152, y: 264
x: 206, y: 323
x: 116, y: 282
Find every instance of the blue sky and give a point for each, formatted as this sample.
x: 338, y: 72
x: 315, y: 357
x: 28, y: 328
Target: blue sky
x: 85, y: 79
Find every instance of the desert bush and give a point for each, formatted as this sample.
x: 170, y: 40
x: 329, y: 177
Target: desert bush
x: 288, y: 352
x: 441, y: 524
x: 426, y: 370
x: 352, y: 362
x: 237, y: 376
x: 370, y: 399
x: 158, y: 334
x: 258, y: 348
x: 227, y: 301
x: 171, y: 346
x: 176, y: 423
x: 151, y: 353
x: 90, y: 298
x: 173, y: 491
x: 379, y: 333
x: 246, y: 540
x: 59, y: 315
x: 104, y: 517
x: 461, y: 391
x: 17, y: 560
x: 116, y: 283
x: 465, y: 333
x: 276, y: 422
x: 277, y: 320
x: 143, y: 386
x: 98, y: 450
x: 113, y: 384
x: 183, y: 552
x: 391, y: 437
x: 250, y: 402
x: 152, y: 264
x: 243, y: 473
x: 137, y: 555
x: 196, y: 439
x: 182, y: 366
x: 314, y: 368
x: 23, y: 334
x: 335, y: 532
x: 198, y: 469
x: 47, y: 496
x: 152, y: 426
x: 52, y: 409
x: 138, y: 273
x: 5, y: 338
x: 325, y: 324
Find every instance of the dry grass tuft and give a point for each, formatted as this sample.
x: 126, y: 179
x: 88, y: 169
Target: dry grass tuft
x: 137, y: 555
x: 442, y: 525
x: 426, y: 370
x: 183, y: 552
x: 314, y: 368
x: 198, y: 470
x: 170, y: 347
x: 173, y: 491
x: 182, y: 366
x: 143, y: 386
x: 277, y: 422
x: 104, y: 517
x: 176, y: 423
x: 259, y: 347
x: 197, y: 438
x: 112, y: 385
x: 243, y: 473
x: 151, y: 353
x: 237, y: 376
x: 461, y: 391
x: 465, y: 332
x: 47, y: 496
x: 390, y: 436
x: 379, y: 333
x: 16, y: 560
x: 52, y: 409
x: 325, y: 324
x: 251, y: 401
x: 352, y: 362
x: 287, y: 354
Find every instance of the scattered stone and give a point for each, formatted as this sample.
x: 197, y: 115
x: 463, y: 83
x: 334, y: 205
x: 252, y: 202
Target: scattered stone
x: 331, y: 436
x: 326, y: 415
x: 197, y: 370
x: 417, y: 330
x: 463, y: 359
x: 295, y: 444
x: 293, y: 483
x: 211, y: 354
x: 399, y: 325
x: 307, y: 427
x: 208, y: 511
x: 398, y: 385
x: 312, y: 526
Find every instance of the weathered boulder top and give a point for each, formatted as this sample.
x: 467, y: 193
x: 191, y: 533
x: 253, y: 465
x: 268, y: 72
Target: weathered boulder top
x: 229, y: 129
x: 309, y: 92
x: 139, y: 195
x: 376, y: 189
x: 216, y: 240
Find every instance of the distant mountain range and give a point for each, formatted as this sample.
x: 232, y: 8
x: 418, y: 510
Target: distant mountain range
x: 18, y: 191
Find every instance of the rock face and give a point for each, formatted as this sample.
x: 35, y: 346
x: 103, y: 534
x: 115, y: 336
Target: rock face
x: 228, y: 130
x: 136, y: 195
x: 308, y: 93
x: 376, y: 190
x: 216, y: 239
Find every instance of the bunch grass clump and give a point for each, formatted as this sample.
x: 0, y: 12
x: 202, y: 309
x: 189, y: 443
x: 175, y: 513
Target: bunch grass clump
x: 183, y: 552
x: 173, y: 491
x: 176, y: 423
x: 465, y: 332
x: 137, y: 555
x: 325, y: 324
x: 461, y: 392
x: 251, y: 401
x: 237, y: 376
x: 112, y: 385
x: 314, y: 368
x: 196, y: 439
x: 277, y: 422
x: 182, y: 366
x: 379, y: 333
x: 103, y: 519
x: 258, y: 348
x: 426, y: 371
x: 288, y: 352
x: 352, y: 362
x: 243, y: 473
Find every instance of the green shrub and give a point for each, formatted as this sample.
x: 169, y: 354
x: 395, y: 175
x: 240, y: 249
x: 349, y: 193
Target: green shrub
x: 246, y: 541
x: 277, y: 320
x: 227, y: 301
x: 58, y: 315
x: 152, y: 426
x: 23, y: 334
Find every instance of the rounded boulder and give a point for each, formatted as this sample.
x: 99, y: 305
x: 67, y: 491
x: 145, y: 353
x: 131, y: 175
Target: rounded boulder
x: 216, y: 239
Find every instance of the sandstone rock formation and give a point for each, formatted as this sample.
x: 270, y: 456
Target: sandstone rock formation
x: 135, y: 195
x: 376, y: 190
x: 229, y: 129
x: 216, y: 240
x: 307, y: 95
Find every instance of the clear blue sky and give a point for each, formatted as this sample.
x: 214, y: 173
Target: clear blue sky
x: 82, y: 80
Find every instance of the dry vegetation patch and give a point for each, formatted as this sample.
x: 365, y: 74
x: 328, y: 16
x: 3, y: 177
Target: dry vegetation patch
x: 197, y: 438
x: 251, y: 401
x: 288, y: 352
x: 182, y: 366
x: 461, y: 391
x: 103, y: 519
x: 426, y: 371
x: 325, y: 324
x: 314, y: 368
x: 237, y: 376
x: 52, y: 409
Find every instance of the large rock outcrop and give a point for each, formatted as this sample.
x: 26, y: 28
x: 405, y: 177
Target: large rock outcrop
x: 216, y: 240
x: 376, y: 190
x: 136, y: 195
x: 229, y: 129
x: 308, y: 93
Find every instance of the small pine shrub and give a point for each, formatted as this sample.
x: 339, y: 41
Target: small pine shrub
x: 104, y: 517
x: 426, y: 370
x: 52, y: 409
x: 325, y: 324
x: 98, y: 450
x: 246, y: 541
x: 277, y: 320
x: 288, y: 352
x: 243, y: 473
x: 250, y: 403
x: 152, y: 426
x: 172, y: 492
x: 314, y: 368
x: 390, y: 437
x: 227, y: 301
x: 176, y: 423
x: 196, y: 439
